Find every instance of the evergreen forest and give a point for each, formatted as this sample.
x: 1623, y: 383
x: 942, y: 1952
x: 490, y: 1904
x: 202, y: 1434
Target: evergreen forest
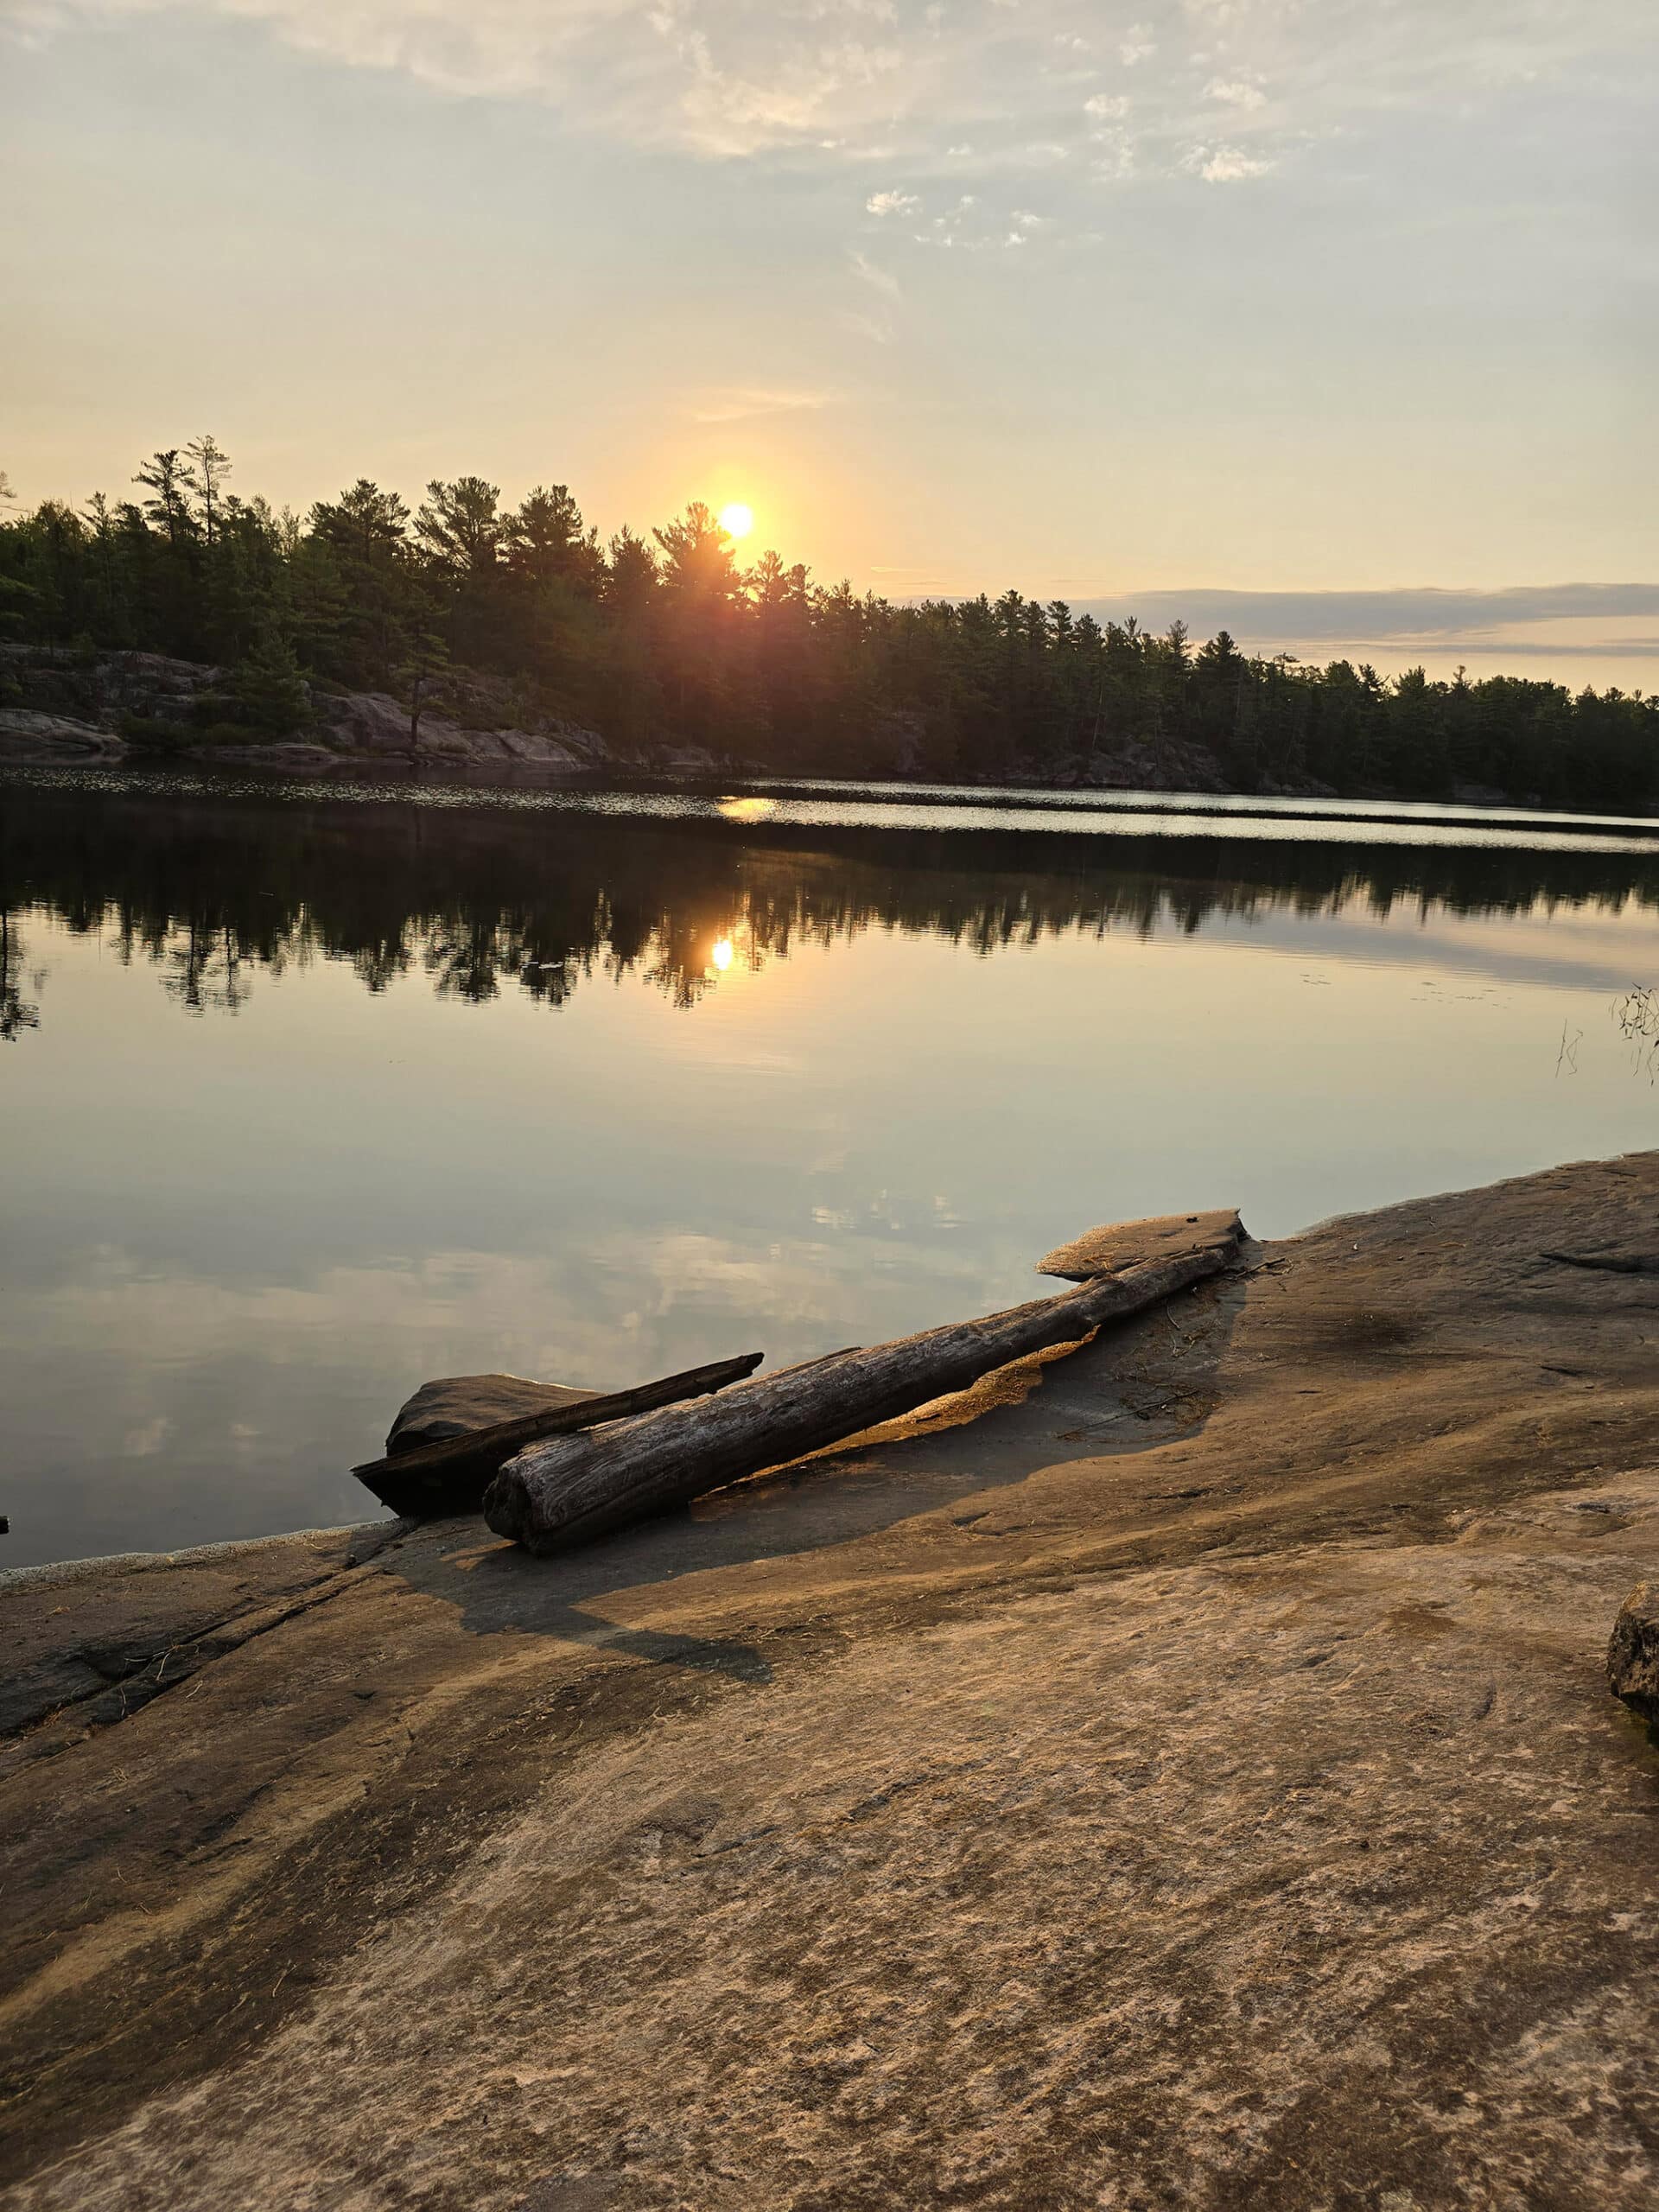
x: 666, y: 639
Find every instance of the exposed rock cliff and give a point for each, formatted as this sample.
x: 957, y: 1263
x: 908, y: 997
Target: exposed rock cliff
x: 62, y: 708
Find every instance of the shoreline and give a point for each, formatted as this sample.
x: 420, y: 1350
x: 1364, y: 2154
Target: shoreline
x: 873, y: 803
x: 61, y: 1573
x: 144, y: 712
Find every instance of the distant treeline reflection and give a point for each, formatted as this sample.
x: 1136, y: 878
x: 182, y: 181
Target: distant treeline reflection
x: 214, y: 891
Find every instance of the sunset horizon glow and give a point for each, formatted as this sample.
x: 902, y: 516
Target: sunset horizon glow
x: 1105, y: 302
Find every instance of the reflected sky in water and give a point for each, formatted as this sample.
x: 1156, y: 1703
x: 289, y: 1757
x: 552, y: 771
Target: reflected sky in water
x: 311, y: 1096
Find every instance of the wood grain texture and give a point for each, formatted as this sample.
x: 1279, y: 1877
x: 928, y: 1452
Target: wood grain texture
x: 1161, y: 1237
x: 571, y: 1488
x: 451, y: 1475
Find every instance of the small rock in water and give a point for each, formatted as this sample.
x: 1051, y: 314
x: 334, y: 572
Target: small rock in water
x: 1633, y: 1653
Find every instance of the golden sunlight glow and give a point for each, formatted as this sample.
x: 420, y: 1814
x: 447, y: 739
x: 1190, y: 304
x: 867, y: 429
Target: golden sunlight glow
x: 722, y: 953
x: 737, y: 520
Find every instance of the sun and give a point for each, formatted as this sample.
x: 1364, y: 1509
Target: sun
x: 737, y: 520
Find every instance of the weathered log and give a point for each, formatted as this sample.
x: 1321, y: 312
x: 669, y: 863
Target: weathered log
x: 564, y: 1491
x: 1161, y: 1237
x: 451, y: 1475
x: 455, y: 1405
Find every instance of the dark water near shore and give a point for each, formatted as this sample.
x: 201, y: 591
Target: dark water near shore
x: 309, y: 1095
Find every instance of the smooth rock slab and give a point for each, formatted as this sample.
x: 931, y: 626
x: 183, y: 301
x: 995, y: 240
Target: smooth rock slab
x: 1180, y: 1776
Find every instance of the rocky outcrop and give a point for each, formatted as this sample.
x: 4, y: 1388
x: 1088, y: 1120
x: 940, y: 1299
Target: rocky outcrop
x: 102, y: 690
x: 66, y: 707
x: 373, y: 725
x: 1128, y: 765
x: 30, y: 738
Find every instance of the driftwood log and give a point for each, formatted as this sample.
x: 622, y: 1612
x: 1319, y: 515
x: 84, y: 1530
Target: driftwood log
x: 1163, y: 1236
x: 451, y: 1475
x: 570, y: 1489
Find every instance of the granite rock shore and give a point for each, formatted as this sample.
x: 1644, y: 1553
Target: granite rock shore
x: 1181, y: 1772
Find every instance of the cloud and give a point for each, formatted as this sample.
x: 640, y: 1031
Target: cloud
x: 971, y: 224
x: 739, y: 405
x: 877, y: 325
x: 1575, y: 622
x: 1115, y: 158
x: 892, y: 203
x: 1225, y: 164
x: 882, y: 280
x: 835, y: 80
x: 1237, y: 92
x: 1110, y: 107
x: 721, y: 77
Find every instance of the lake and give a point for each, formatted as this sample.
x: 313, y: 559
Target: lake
x: 307, y: 1095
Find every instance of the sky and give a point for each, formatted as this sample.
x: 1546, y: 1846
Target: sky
x: 1333, y: 319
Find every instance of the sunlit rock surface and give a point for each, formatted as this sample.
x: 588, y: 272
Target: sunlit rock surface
x: 1182, y: 1773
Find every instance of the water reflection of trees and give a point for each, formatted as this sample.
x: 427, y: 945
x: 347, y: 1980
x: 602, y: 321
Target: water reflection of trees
x: 214, y: 891
x: 16, y: 1013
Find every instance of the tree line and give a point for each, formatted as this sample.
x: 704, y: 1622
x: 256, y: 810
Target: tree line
x: 666, y: 639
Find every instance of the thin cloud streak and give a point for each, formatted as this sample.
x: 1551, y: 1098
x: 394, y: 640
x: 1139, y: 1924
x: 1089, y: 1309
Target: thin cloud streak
x: 1420, y: 611
x: 741, y: 406
x: 1565, y: 625
x: 882, y: 280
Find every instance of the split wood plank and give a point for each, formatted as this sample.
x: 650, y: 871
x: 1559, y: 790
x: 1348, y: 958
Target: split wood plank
x: 1161, y: 1237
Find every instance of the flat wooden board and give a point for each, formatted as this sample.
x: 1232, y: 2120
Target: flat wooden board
x: 1161, y: 1237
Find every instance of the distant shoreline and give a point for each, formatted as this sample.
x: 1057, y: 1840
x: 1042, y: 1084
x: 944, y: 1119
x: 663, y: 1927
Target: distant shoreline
x: 1506, y: 747
x: 895, y: 803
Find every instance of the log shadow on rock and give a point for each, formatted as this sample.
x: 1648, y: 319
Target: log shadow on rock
x: 1128, y: 1390
x: 573, y: 1488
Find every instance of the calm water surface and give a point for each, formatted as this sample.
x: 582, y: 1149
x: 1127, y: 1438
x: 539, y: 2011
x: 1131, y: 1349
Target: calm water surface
x: 307, y: 1095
